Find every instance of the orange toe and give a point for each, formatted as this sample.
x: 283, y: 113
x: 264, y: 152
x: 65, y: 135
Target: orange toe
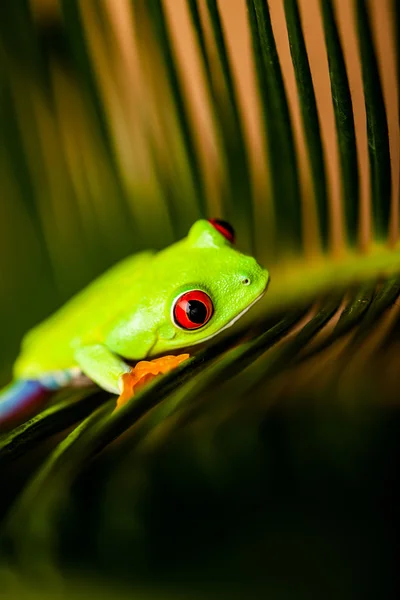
x: 144, y: 372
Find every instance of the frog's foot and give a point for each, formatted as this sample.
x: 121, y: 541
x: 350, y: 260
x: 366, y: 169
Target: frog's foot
x: 145, y: 371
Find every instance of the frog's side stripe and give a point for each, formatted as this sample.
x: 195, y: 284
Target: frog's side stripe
x: 20, y: 397
x: 28, y: 395
x: 59, y: 379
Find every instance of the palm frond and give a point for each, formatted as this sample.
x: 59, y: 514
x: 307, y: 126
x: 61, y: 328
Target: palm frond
x: 116, y: 136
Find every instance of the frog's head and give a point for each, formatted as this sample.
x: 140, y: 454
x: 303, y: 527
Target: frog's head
x: 217, y: 284
x: 199, y: 287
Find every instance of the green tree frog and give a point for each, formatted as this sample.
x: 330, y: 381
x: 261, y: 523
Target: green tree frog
x: 148, y: 305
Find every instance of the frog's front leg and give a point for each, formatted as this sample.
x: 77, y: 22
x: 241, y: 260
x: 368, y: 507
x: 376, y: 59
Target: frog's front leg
x: 102, y: 366
x: 111, y: 373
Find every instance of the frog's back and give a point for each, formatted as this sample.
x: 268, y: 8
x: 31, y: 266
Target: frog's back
x: 51, y: 345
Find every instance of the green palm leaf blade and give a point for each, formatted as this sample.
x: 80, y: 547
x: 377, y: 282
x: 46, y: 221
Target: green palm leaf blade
x: 244, y: 450
x: 237, y: 142
x: 229, y: 123
x: 350, y: 316
x: 156, y: 13
x: 396, y: 31
x: 15, y: 157
x: 55, y: 419
x: 345, y: 128
x: 281, y: 153
x: 378, y: 135
x: 309, y: 112
x: 82, y: 61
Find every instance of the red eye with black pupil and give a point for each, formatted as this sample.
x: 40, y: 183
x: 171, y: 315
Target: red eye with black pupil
x: 224, y: 228
x: 193, y: 309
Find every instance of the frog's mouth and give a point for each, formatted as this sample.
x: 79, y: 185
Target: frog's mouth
x: 239, y: 316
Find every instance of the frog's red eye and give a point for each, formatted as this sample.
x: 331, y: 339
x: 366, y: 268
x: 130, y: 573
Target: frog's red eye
x: 193, y: 309
x: 224, y: 228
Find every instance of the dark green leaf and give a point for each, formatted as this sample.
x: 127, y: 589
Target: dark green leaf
x: 309, y: 113
x: 377, y: 127
x: 157, y: 16
x: 278, y: 129
x: 345, y: 130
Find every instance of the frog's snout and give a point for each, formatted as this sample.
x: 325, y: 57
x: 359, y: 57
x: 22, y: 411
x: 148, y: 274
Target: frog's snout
x: 255, y: 276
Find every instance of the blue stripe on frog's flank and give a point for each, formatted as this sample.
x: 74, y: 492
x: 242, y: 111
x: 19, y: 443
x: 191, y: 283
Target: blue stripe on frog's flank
x: 23, y: 398
x: 20, y: 397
